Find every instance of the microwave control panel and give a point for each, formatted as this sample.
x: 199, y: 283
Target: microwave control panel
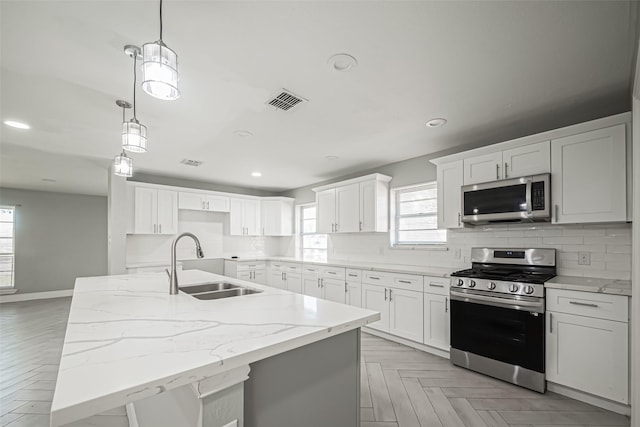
x: 537, y: 196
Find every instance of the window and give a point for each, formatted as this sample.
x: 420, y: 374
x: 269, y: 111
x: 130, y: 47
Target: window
x: 415, y: 210
x: 314, y: 246
x: 7, y: 246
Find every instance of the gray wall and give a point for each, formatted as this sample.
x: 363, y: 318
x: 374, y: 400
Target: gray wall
x: 58, y: 237
x: 406, y: 172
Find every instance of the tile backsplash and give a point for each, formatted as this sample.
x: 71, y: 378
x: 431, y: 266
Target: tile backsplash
x: 608, y: 246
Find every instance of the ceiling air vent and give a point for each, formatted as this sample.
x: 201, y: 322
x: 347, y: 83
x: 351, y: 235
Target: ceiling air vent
x: 285, y: 100
x: 189, y: 162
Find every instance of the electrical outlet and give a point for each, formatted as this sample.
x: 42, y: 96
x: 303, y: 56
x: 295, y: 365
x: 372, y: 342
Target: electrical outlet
x: 584, y: 258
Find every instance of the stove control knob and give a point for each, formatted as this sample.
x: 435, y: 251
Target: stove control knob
x: 513, y: 287
x: 491, y: 286
x: 472, y: 283
x: 528, y: 290
x: 460, y: 282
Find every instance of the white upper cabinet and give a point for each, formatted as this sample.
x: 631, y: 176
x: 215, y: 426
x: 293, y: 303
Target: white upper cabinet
x: 529, y: 159
x: 202, y: 202
x: 276, y: 216
x: 449, y: 195
x: 357, y: 205
x: 155, y: 211
x: 244, y: 218
x: 588, y: 181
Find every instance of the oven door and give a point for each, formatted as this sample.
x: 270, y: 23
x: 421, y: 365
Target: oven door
x: 508, y: 200
x: 503, y: 329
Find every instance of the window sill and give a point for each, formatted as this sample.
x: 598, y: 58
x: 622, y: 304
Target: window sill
x: 424, y: 247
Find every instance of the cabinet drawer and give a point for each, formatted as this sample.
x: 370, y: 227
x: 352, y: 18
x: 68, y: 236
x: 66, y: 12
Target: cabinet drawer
x: 409, y: 282
x: 354, y: 275
x: 275, y: 266
x: 311, y: 270
x: 436, y: 285
x: 333, y: 272
x: 291, y: 268
x: 601, y: 306
x: 377, y: 278
x: 251, y: 266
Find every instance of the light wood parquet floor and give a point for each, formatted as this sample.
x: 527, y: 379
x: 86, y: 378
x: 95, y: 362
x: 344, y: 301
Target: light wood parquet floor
x: 401, y: 387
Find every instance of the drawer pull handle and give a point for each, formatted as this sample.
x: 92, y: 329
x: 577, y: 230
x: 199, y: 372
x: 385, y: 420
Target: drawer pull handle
x: 353, y: 275
x: 583, y: 304
x: 405, y: 281
x: 435, y: 285
x: 332, y: 272
x: 374, y: 278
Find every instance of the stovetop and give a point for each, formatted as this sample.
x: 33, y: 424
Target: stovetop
x: 536, y: 277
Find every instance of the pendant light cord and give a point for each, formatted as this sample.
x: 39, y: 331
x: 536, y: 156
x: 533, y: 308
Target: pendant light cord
x: 160, y: 20
x: 135, y: 57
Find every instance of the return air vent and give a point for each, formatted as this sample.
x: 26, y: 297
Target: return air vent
x: 189, y: 162
x: 285, y: 100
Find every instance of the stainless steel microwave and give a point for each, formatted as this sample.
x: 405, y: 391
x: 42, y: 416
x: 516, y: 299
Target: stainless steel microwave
x: 524, y: 199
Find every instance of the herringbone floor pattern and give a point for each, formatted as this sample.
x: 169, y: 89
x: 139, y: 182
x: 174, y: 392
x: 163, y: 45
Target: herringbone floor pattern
x: 401, y: 386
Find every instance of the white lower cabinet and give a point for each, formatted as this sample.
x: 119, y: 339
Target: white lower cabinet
x: 587, y: 353
x: 436, y: 321
x: 251, y: 271
x: 400, y: 310
x: 333, y: 290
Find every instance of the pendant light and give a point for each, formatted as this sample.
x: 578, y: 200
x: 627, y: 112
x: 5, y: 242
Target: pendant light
x: 134, y: 134
x: 123, y: 165
x: 160, y: 69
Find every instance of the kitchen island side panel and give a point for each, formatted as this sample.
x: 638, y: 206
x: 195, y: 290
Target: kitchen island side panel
x: 317, y: 385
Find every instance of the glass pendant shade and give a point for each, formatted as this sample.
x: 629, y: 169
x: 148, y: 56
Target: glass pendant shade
x: 160, y: 71
x: 123, y: 166
x: 134, y: 136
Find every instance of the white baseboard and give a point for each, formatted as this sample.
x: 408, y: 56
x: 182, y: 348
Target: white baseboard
x: 600, y: 402
x: 36, y: 295
x: 416, y: 345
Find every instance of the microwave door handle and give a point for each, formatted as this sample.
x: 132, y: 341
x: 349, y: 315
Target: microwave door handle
x: 528, y: 197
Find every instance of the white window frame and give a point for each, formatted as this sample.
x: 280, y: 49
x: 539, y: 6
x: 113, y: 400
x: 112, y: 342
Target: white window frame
x: 395, y: 219
x: 301, y: 233
x: 13, y: 251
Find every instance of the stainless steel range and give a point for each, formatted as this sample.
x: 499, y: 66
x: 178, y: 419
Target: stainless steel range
x: 497, y: 314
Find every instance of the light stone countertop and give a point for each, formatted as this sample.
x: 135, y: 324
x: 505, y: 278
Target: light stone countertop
x: 372, y: 266
x: 590, y: 284
x: 128, y: 339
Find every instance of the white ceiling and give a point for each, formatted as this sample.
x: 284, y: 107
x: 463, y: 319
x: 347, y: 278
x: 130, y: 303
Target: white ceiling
x: 495, y: 70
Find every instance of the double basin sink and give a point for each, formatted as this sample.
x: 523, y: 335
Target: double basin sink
x: 217, y: 290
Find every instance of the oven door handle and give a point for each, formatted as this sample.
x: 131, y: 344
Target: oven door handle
x: 531, y: 306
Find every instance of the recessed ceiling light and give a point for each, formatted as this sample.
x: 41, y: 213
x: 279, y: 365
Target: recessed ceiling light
x: 49, y: 180
x: 243, y: 133
x: 256, y: 174
x: 342, y: 62
x: 331, y: 157
x: 17, y: 125
x: 436, y: 123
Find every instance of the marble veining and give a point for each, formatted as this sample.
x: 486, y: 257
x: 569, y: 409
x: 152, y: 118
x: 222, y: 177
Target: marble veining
x: 590, y: 284
x: 128, y: 339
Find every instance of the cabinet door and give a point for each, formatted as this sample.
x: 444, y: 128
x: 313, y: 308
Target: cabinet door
x: 294, y: 282
x: 588, y: 354
x: 406, y: 312
x: 450, y: 195
x: 348, y: 208
x: 251, y: 217
x: 236, y: 216
x: 368, y: 206
x: 167, y: 212
x: 326, y: 211
x: 217, y: 203
x: 191, y: 201
x: 531, y: 159
x: 276, y: 279
x: 259, y: 276
x: 311, y: 286
x: 145, y: 211
x: 354, y: 294
x: 375, y: 298
x: 436, y: 321
x: 245, y: 275
x: 588, y: 182
x: 333, y: 290
x: 485, y: 168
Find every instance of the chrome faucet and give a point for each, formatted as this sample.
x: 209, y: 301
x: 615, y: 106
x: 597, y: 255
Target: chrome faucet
x: 173, y: 276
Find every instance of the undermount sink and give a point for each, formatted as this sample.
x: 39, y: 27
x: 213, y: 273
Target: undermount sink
x: 217, y: 290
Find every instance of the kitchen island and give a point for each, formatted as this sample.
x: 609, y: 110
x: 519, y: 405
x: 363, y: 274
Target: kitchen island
x: 270, y: 358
